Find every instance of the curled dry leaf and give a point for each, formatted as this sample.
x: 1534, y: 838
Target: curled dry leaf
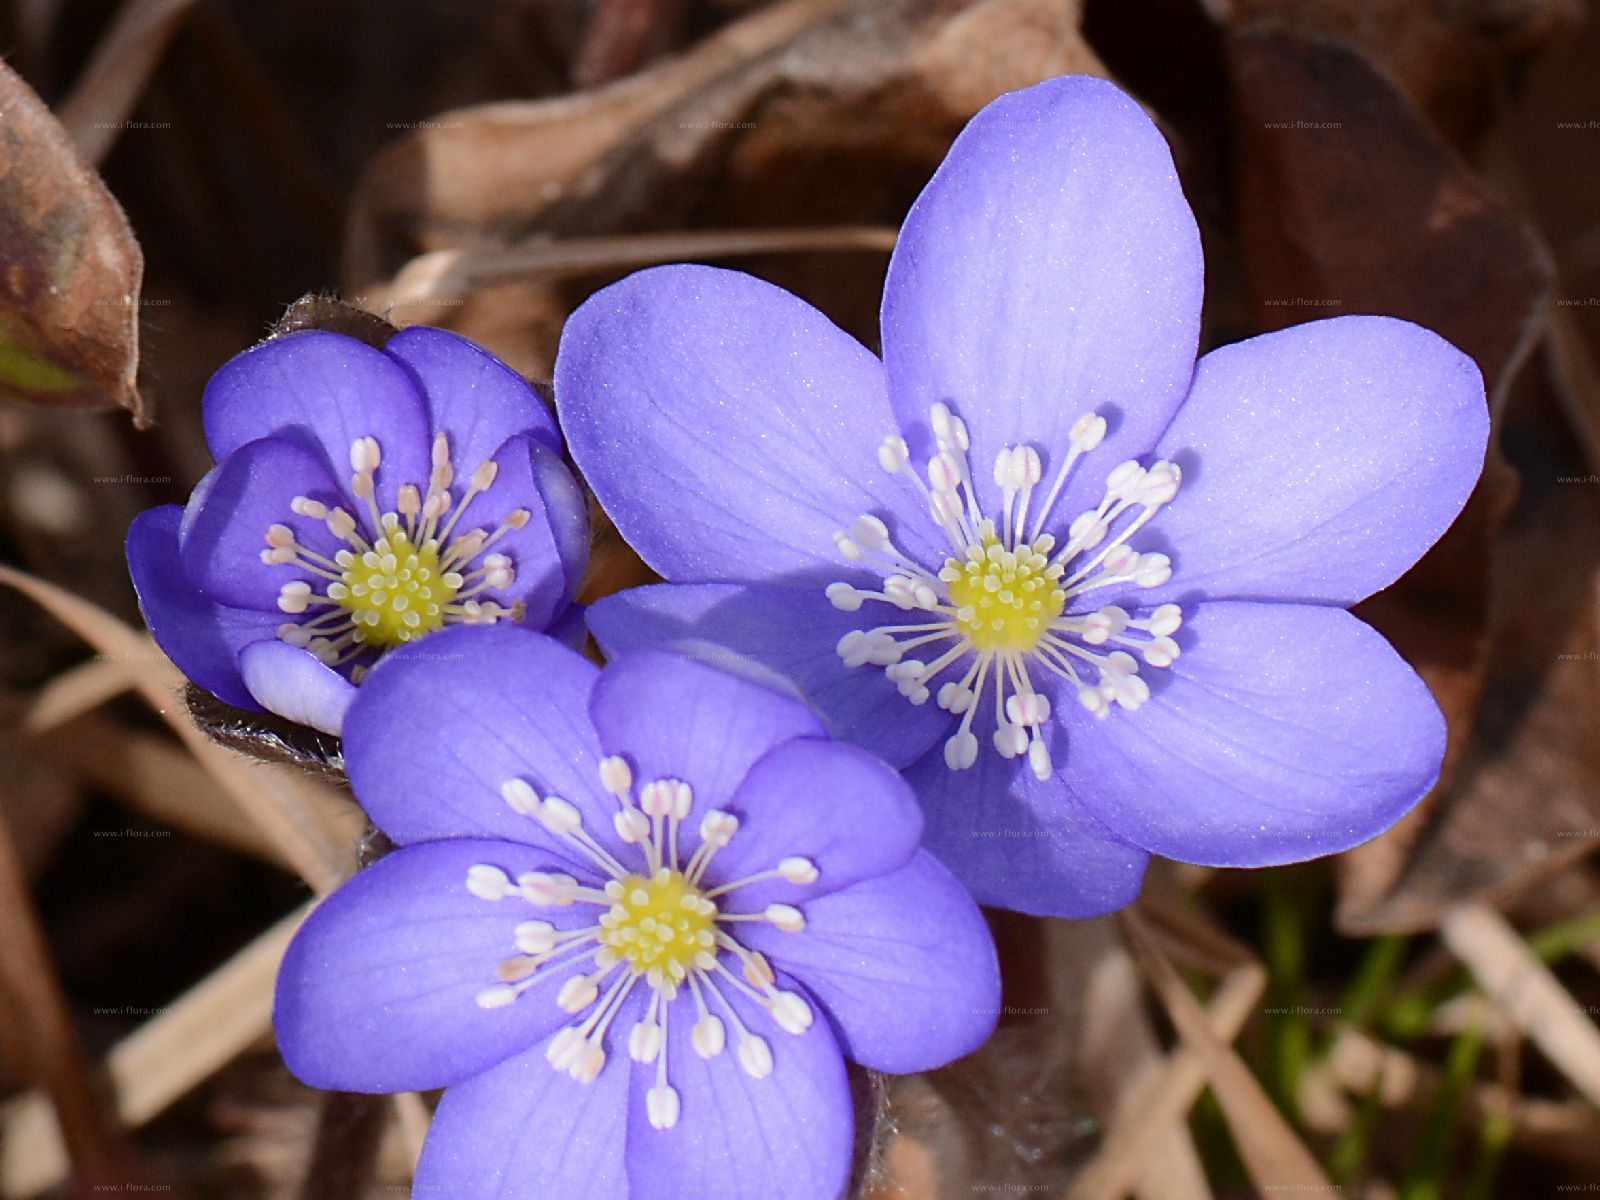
x: 69, y: 289
x: 808, y: 112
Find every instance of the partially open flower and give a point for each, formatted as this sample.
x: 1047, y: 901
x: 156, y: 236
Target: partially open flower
x: 1088, y: 592
x: 362, y: 499
x: 637, y: 921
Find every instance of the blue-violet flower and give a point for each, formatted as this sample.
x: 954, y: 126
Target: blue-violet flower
x: 362, y: 499
x: 1088, y: 593
x: 637, y: 921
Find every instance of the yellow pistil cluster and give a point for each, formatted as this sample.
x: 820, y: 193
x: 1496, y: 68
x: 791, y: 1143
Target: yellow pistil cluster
x: 395, y: 592
x: 1005, y: 599
x: 661, y: 923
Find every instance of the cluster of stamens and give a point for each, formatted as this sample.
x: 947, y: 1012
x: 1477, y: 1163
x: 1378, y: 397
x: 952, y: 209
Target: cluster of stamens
x: 659, y: 924
x: 997, y: 609
x: 405, y: 574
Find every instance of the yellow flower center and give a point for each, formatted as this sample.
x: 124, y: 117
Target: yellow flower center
x: 1004, y: 599
x: 661, y: 922
x: 396, y: 592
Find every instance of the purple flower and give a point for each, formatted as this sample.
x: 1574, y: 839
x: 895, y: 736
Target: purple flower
x: 361, y: 499
x: 637, y: 921
x: 1088, y: 593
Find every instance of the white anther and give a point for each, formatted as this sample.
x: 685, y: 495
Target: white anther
x: 870, y: 533
x: 632, y: 826
x: 893, y: 454
x: 853, y: 648
x: 559, y: 816
x: 616, y: 776
x: 537, y: 887
x: 577, y: 993
x: 498, y: 996
x: 364, y: 456
x: 1159, y: 485
x: 961, y: 751
x: 755, y: 1056
x: 341, y: 524
x: 662, y: 1104
x: 295, y: 635
x: 846, y: 547
x: 682, y: 800
x: 590, y: 1060
x: 1161, y: 652
x: 656, y: 797
x: 1031, y: 709
x: 410, y: 500
x: 1124, y: 479
x: 1087, y: 530
x: 489, y: 883
x: 786, y: 917
x: 882, y: 649
x: 1039, y: 759
x: 717, y: 828
x: 798, y: 870
x: 644, y: 1042
x: 520, y: 797
x: 1010, y: 740
x: 708, y: 1036
x: 1152, y: 570
x: 1121, y: 561
x: 483, y: 476
x: 535, y: 937
x: 901, y: 591
x: 279, y: 536
x: 307, y: 507
x: 791, y: 1012
x: 944, y: 473
x: 1002, y: 470
x: 939, y: 418
x: 497, y: 571
x: 1165, y: 621
x: 1087, y: 432
x: 1092, y: 700
x: 293, y: 597
x: 843, y: 597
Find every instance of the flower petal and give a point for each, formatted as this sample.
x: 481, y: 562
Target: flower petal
x: 1021, y: 844
x: 226, y: 521
x: 1283, y: 733
x: 202, y: 638
x: 524, y: 1125
x: 475, y: 706
x: 785, y: 1137
x: 1320, y: 461
x: 296, y: 684
x: 471, y: 395
x: 1051, y: 268
x: 728, y: 428
x: 673, y: 718
x: 377, y: 992
x: 846, y: 811
x: 324, y: 391
x: 791, y: 630
x: 903, y: 964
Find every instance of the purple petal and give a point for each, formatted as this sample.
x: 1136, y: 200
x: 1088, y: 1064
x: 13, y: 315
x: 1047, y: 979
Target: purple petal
x: 791, y: 630
x: 378, y: 991
x: 849, y: 813
x: 1320, y: 461
x: 524, y: 1128
x: 1051, y: 268
x: 201, y: 637
x: 296, y: 684
x: 785, y: 1137
x: 1284, y: 732
x: 903, y: 964
x: 471, y: 395
x: 673, y: 718
x: 1020, y: 844
x: 324, y: 391
x: 728, y: 428
x: 227, y: 518
x: 442, y: 723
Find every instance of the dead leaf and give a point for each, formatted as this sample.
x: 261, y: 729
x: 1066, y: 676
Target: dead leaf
x: 69, y: 290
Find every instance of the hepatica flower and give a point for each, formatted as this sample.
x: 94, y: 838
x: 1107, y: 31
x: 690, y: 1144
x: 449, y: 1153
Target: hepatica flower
x: 637, y: 921
x: 362, y: 499
x: 1089, y: 593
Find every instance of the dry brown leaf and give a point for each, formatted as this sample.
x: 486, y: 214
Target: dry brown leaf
x: 69, y: 290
